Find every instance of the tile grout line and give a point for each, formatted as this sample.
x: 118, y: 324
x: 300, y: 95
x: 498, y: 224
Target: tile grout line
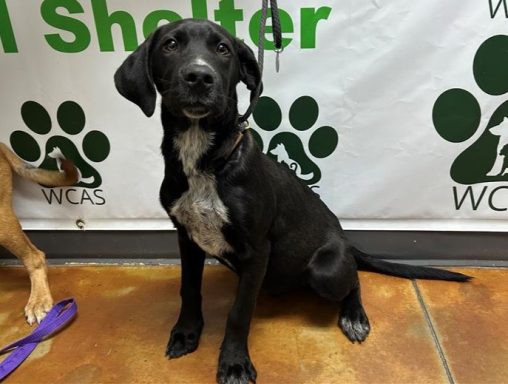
x: 433, y: 332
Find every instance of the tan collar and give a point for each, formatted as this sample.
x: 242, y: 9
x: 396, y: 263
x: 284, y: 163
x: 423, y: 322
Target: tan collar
x: 237, y: 142
x: 243, y: 127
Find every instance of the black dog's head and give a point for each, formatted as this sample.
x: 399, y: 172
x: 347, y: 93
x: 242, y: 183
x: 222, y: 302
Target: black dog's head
x: 194, y: 64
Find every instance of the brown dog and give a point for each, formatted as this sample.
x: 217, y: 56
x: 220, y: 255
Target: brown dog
x: 14, y: 239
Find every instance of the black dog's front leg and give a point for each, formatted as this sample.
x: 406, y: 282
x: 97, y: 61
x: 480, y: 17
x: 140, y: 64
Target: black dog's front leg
x: 187, y: 330
x: 235, y: 365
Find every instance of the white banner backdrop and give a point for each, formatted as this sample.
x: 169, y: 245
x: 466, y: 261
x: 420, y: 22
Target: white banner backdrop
x: 391, y: 110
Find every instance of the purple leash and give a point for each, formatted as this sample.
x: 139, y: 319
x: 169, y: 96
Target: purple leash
x: 59, y: 316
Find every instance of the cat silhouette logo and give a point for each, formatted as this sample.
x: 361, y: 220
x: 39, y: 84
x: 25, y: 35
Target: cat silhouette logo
x: 287, y: 148
x: 59, y: 143
x: 282, y: 156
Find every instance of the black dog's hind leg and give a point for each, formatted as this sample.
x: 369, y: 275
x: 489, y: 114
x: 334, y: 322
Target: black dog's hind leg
x: 333, y: 275
x: 187, y: 330
x: 235, y: 365
x: 353, y: 320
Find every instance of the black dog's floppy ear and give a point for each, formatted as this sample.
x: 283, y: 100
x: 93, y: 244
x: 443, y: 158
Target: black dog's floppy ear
x: 134, y: 78
x: 249, y: 68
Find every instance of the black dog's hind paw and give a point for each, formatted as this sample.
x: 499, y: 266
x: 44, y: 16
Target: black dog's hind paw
x: 182, y: 342
x: 354, y: 324
x: 235, y: 370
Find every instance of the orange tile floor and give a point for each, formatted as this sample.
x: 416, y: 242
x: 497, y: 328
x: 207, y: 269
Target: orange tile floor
x: 422, y: 332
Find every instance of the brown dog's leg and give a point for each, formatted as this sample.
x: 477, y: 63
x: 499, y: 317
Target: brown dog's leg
x: 16, y: 242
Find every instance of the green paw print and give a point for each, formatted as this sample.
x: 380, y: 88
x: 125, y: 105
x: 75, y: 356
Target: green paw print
x: 71, y: 118
x: 286, y: 147
x: 457, y: 114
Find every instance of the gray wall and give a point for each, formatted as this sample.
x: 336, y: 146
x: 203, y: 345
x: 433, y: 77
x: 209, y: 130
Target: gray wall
x: 437, y: 248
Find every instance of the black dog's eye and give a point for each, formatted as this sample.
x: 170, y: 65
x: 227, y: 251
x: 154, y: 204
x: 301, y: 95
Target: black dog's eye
x: 171, y: 45
x: 223, y: 49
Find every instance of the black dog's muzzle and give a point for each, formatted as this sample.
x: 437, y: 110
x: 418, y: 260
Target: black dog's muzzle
x: 199, y: 78
x: 199, y: 89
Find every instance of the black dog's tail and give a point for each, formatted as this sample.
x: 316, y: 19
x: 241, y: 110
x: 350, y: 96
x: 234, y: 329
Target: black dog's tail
x: 366, y: 262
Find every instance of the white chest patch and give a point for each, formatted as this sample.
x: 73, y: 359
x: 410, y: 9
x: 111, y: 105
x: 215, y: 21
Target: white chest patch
x: 200, y: 209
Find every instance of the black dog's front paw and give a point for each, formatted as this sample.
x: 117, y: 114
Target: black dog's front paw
x: 235, y: 368
x: 183, y: 341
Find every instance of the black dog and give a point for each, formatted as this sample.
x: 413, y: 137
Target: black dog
x: 227, y: 199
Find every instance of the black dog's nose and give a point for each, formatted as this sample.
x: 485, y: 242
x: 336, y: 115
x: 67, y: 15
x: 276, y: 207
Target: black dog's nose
x: 197, y: 76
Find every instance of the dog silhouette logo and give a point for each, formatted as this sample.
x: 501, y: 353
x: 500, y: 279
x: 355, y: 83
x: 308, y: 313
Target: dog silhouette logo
x: 499, y: 167
x: 457, y: 116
